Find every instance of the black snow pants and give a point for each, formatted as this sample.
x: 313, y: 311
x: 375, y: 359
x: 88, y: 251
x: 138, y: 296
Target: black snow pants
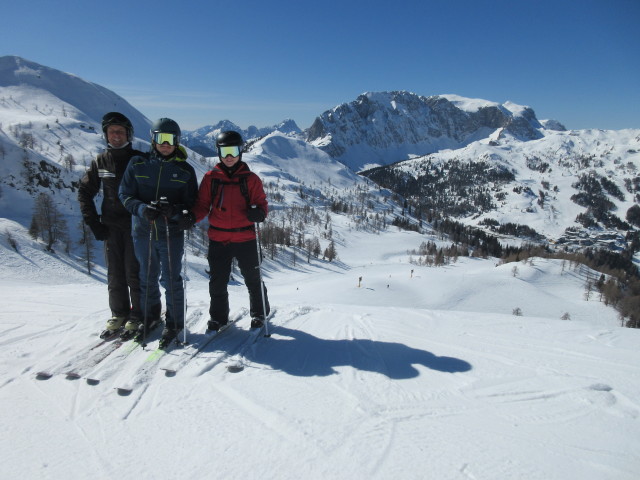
x: 123, y: 279
x: 220, y: 257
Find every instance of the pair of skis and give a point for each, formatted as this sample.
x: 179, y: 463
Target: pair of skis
x: 90, y: 357
x: 85, y: 362
x: 191, y: 351
x: 85, y: 359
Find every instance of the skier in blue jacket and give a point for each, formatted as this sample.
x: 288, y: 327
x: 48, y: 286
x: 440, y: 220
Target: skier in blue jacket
x: 156, y: 191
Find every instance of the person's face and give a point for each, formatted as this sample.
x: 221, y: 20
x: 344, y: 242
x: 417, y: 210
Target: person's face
x: 230, y: 161
x: 116, y: 135
x: 165, y: 149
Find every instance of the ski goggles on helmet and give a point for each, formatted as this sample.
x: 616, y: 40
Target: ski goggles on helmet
x: 234, y: 151
x: 170, y: 138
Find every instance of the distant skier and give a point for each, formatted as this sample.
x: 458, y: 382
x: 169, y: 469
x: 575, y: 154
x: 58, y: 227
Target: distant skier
x: 233, y: 198
x: 113, y: 224
x: 156, y: 190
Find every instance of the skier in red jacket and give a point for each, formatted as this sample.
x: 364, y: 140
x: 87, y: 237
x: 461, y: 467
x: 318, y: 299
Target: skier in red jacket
x: 234, y: 200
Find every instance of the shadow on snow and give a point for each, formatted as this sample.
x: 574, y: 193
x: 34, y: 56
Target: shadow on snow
x: 304, y: 355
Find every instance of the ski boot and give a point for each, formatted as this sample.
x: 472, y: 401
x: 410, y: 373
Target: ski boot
x: 257, y: 322
x: 169, y: 334
x: 215, y: 325
x: 114, y: 325
x: 130, y: 329
x: 143, y: 331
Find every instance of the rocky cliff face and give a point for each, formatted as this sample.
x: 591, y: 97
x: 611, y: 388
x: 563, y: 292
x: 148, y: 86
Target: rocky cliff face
x: 383, y: 128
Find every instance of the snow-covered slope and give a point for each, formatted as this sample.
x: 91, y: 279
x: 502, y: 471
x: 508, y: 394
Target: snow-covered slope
x: 28, y: 81
x: 545, y: 174
x: 377, y: 367
x: 417, y: 373
x: 280, y: 155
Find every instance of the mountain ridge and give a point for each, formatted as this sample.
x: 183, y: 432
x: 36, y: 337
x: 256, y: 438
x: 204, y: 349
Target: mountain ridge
x: 46, y: 142
x: 379, y: 128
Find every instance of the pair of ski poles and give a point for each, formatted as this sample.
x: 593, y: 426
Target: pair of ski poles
x: 259, y: 267
x: 163, y: 200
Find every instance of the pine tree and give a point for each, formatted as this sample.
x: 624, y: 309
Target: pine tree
x: 87, y: 242
x: 51, y: 224
x: 330, y: 252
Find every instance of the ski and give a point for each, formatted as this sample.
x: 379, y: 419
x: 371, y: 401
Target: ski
x: 149, y: 366
x: 109, y: 334
x: 83, y: 357
x: 79, y: 370
x: 146, y: 367
x: 94, y: 377
x: 196, y: 348
x: 236, y: 361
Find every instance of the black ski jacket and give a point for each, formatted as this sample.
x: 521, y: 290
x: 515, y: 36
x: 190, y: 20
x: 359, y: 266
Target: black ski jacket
x: 107, y: 171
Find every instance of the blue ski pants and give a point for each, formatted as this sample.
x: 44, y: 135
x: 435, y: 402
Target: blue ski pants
x: 160, y: 260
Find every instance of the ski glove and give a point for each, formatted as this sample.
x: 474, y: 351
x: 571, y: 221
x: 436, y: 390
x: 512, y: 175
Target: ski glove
x: 99, y: 230
x: 166, y: 210
x: 255, y: 214
x: 151, y: 213
x: 186, y: 221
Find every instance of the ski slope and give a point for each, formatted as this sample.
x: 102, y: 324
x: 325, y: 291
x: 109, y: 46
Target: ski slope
x: 417, y: 373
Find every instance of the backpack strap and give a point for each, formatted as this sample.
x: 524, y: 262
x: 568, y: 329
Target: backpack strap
x: 215, y: 186
x: 245, y: 189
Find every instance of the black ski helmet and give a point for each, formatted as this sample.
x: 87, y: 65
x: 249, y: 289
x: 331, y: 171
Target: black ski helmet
x: 116, y: 118
x: 166, y: 125
x: 229, y: 139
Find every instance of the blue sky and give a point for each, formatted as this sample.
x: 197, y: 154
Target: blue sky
x: 260, y: 62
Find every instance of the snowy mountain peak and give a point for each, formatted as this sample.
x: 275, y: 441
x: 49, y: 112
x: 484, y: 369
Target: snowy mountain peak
x: 203, y: 140
x: 90, y: 99
x: 379, y: 128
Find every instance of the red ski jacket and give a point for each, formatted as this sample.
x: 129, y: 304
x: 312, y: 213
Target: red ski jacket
x: 226, y: 201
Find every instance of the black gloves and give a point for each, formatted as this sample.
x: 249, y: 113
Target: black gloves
x: 186, y: 221
x: 99, y: 230
x: 158, y: 209
x: 166, y: 210
x: 255, y: 214
x: 151, y: 213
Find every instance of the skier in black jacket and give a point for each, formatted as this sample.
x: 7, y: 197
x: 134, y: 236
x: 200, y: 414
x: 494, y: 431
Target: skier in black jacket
x: 113, y: 224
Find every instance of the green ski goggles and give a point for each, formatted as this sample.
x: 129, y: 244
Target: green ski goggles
x: 170, y: 138
x: 234, y: 151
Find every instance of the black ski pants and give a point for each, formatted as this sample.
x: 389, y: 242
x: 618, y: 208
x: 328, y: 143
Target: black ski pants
x: 123, y: 280
x: 220, y: 257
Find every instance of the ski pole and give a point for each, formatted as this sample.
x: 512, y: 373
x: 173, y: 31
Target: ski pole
x: 173, y: 298
x: 184, y: 281
x: 264, y: 305
x: 146, y: 294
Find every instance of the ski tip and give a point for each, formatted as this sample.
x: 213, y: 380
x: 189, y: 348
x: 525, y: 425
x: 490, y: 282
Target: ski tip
x: 168, y: 372
x: 235, y: 367
x: 93, y: 381
x: 43, y: 375
x: 124, y: 391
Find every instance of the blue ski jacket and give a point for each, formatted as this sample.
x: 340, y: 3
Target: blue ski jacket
x: 149, y: 179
